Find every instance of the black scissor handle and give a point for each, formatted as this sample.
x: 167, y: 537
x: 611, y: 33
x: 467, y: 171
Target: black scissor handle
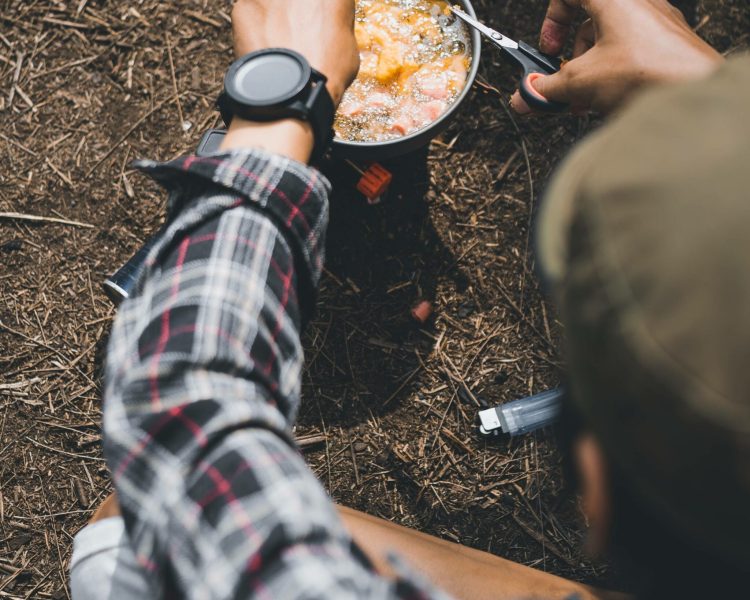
x: 534, y: 99
x: 544, y: 62
x: 536, y: 64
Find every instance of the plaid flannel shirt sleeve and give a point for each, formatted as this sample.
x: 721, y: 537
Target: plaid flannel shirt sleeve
x: 203, y: 384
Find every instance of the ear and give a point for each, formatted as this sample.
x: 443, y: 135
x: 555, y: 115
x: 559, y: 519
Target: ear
x: 595, y: 492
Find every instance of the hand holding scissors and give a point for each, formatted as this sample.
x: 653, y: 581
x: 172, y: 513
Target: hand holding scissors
x: 534, y: 63
x: 623, y: 47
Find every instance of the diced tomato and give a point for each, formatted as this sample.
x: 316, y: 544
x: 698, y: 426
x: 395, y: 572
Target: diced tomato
x: 403, y: 123
x: 430, y: 111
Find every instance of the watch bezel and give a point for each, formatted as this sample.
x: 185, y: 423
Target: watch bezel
x: 238, y: 96
x: 310, y: 101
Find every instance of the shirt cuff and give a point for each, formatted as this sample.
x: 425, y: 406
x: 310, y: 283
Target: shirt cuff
x: 293, y: 195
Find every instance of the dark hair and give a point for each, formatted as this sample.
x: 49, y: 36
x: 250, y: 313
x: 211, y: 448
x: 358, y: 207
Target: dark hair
x: 654, y: 559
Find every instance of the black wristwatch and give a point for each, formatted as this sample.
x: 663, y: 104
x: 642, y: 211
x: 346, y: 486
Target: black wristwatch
x: 274, y: 84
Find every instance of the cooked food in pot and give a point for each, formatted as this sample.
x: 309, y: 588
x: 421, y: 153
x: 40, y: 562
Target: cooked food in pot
x: 415, y: 57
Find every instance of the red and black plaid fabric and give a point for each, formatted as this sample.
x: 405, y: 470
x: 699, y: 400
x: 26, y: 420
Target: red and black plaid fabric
x: 203, y: 384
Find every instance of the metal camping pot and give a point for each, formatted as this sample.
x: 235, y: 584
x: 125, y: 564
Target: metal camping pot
x: 373, y: 151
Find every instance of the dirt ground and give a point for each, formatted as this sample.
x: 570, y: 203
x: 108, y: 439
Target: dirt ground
x: 388, y: 418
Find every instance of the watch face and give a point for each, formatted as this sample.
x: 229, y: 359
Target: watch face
x: 268, y: 78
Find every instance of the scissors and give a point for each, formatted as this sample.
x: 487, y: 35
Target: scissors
x: 535, y: 64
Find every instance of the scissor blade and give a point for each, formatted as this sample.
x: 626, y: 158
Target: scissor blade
x: 495, y: 36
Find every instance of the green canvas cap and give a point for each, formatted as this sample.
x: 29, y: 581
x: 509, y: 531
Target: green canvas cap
x: 644, y: 237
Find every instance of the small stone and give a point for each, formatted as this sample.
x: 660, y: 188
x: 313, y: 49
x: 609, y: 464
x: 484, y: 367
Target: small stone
x: 501, y: 378
x: 19, y: 541
x: 466, y: 309
x: 11, y: 246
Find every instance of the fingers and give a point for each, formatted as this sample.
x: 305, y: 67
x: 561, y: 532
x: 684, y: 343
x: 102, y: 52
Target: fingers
x: 569, y: 86
x: 558, y: 87
x: 557, y: 25
x: 556, y: 28
x: 518, y: 104
x: 585, y: 38
x: 551, y: 87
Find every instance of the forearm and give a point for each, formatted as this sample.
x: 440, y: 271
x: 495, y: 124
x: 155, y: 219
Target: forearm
x: 203, y: 382
x: 204, y: 368
x: 290, y: 137
x: 463, y: 571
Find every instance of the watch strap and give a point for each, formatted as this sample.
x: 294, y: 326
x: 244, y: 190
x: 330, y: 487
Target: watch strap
x: 321, y: 115
x: 224, y: 107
